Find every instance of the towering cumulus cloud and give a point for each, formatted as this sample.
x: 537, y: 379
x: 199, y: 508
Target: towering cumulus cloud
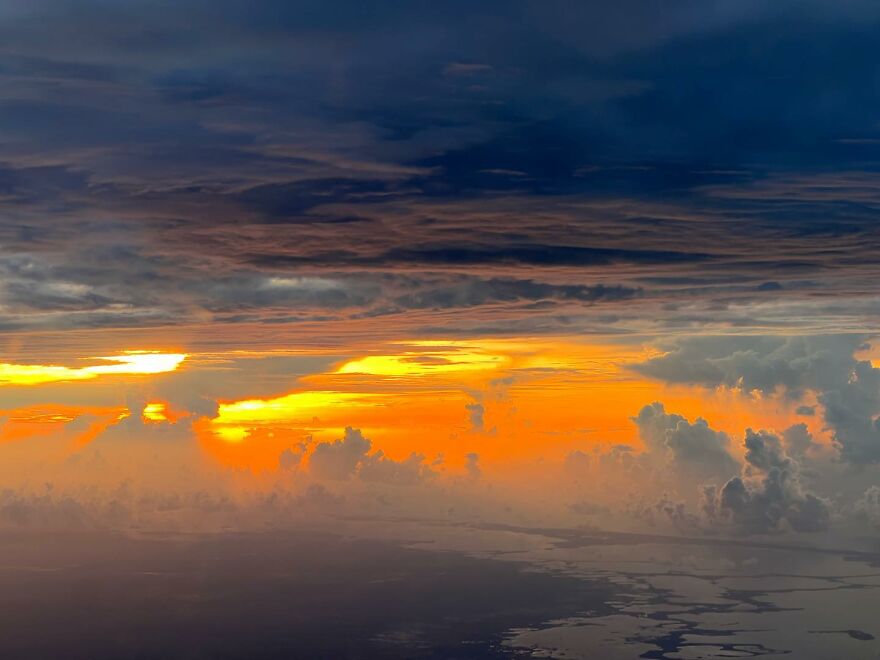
x: 770, y: 493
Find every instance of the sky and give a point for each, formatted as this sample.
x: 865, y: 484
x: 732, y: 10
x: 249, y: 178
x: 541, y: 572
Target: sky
x: 581, y: 263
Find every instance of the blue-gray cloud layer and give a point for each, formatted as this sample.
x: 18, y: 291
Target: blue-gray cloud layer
x: 269, y: 161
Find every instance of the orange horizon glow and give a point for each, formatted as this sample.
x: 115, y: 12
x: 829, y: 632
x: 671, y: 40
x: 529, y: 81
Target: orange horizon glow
x: 540, y: 399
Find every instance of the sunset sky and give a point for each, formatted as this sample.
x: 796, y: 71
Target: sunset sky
x: 597, y: 259
x: 439, y: 329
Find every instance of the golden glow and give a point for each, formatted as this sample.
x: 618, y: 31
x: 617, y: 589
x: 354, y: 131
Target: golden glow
x: 446, y: 357
x: 231, y: 434
x: 155, y: 412
x: 138, y: 362
x: 130, y: 362
x: 35, y: 374
x: 161, y: 411
x: 458, y: 357
x: 299, y: 405
x: 252, y: 433
x: 418, y: 364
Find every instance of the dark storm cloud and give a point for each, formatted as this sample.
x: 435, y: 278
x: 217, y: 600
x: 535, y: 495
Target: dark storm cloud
x: 728, y: 145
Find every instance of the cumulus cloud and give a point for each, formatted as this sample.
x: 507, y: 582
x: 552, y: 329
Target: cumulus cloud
x: 350, y: 456
x: 689, y: 476
x: 847, y: 388
x: 799, y: 442
x: 408, y: 472
x: 472, y: 466
x: 578, y: 464
x: 676, y: 459
x: 340, y: 459
x: 476, y: 410
x: 769, y: 493
x: 693, y: 449
x: 867, y: 508
x: 292, y: 457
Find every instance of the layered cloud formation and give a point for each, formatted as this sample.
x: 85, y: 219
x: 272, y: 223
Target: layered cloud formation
x: 286, y: 162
